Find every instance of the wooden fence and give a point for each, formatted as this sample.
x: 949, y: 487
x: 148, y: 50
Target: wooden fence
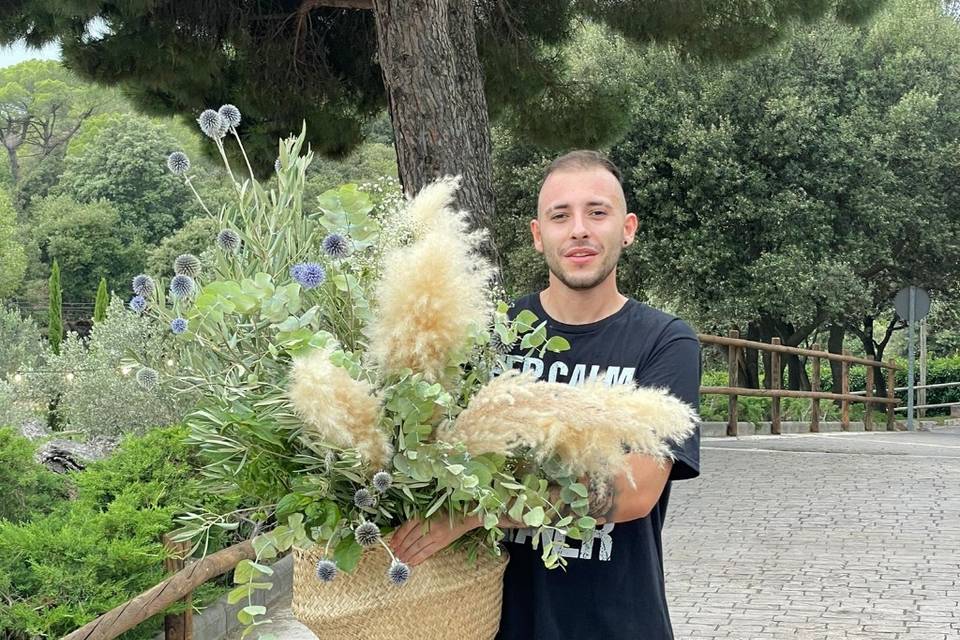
x: 734, y: 344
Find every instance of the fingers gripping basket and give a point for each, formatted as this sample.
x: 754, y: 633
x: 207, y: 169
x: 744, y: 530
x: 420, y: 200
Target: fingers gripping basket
x: 445, y: 597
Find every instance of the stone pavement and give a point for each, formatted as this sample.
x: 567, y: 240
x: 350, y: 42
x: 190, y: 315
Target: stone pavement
x: 818, y: 536
x: 815, y: 537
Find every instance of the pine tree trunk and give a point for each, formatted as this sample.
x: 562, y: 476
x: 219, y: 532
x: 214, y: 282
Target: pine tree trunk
x: 14, y: 165
x: 434, y: 80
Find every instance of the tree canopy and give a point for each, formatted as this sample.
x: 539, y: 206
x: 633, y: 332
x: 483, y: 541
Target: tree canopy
x: 284, y: 61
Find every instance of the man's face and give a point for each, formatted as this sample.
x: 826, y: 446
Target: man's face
x: 582, y: 225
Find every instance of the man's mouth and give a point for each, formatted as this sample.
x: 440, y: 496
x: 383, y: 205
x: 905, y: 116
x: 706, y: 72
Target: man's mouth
x: 580, y: 255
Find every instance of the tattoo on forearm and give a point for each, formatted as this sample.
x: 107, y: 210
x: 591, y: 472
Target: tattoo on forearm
x: 603, y: 499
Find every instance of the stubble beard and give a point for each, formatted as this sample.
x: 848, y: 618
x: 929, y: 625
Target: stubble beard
x: 582, y: 282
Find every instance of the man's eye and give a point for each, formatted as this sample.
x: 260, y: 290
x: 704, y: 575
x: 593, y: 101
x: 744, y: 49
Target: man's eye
x: 557, y: 216
x: 600, y: 212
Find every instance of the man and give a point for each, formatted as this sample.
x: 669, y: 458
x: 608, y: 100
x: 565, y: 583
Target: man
x: 613, y: 586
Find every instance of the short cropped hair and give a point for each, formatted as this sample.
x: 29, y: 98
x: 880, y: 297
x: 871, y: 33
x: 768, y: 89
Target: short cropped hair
x: 580, y: 160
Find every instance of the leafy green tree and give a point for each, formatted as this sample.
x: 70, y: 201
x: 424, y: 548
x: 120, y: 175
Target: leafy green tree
x: 337, y: 63
x: 55, y: 322
x: 103, y: 299
x: 125, y: 163
x: 196, y: 236
x: 13, y: 261
x: 89, y: 241
x: 42, y: 105
x: 785, y: 193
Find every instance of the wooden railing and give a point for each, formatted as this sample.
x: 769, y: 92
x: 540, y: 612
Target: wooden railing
x: 734, y: 344
x: 179, y: 586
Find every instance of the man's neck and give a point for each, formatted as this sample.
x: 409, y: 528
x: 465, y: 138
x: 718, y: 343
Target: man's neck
x: 581, y: 306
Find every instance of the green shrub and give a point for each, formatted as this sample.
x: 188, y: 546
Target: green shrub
x: 29, y: 488
x: 60, y: 570
x: 97, y: 395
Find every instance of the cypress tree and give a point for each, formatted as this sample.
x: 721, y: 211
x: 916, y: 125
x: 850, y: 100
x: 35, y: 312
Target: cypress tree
x: 55, y: 325
x: 100, y: 306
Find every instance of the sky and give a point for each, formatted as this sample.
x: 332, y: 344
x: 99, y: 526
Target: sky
x: 18, y: 53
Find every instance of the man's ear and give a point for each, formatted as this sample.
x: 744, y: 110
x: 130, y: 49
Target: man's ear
x: 630, y: 225
x: 535, y: 232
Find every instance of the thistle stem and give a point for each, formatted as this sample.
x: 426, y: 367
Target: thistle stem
x: 226, y: 163
x: 233, y: 130
x: 199, y: 199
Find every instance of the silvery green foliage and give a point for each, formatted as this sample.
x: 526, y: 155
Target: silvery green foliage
x: 102, y: 396
x: 15, y: 409
x: 21, y: 344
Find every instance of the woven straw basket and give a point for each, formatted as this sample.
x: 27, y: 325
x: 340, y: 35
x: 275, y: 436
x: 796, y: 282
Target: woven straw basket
x: 446, y: 596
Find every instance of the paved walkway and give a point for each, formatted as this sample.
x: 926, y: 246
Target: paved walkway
x: 819, y: 536
x: 813, y: 537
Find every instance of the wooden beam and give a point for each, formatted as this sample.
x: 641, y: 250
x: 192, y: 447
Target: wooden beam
x: 763, y: 346
x: 151, y: 602
x: 790, y: 393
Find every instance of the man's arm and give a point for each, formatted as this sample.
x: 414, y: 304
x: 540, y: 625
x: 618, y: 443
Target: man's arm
x: 621, y: 501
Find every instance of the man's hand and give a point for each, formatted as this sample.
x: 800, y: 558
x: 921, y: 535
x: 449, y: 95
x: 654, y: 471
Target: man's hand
x: 412, y: 544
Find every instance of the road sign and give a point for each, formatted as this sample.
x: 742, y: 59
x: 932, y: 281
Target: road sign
x: 921, y: 303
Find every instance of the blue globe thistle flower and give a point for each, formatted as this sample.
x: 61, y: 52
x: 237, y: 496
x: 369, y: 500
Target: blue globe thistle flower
x: 277, y: 165
x: 147, y: 378
x: 178, y: 325
x: 363, y: 499
x: 336, y: 246
x: 382, y: 481
x: 138, y: 304
x: 187, y: 264
x: 182, y: 286
x: 143, y: 285
x: 212, y: 125
x: 398, y: 572
x: 367, y: 534
x: 309, y: 274
x: 326, y: 570
x: 230, y: 115
x: 228, y: 240
x: 178, y: 163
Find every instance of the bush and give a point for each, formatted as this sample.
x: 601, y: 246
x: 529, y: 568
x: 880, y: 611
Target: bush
x: 61, y: 570
x: 29, y: 488
x: 16, y: 409
x: 21, y: 344
x: 97, y: 395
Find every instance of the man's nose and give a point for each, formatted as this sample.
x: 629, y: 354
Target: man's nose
x: 579, y: 229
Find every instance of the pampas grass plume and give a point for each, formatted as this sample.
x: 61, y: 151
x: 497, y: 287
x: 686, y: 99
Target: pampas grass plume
x: 435, y: 291
x: 585, y: 427
x: 336, y: 409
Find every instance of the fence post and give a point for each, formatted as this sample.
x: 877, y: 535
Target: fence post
x: 775, y: 384
x: 868, y: 410
x: 815, y: 386
x: 177, y: 626
x: 891, y: 383
x: 845, y: 389
x: 732, y: 382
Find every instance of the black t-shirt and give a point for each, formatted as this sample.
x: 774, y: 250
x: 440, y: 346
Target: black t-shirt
x: 613, y: 584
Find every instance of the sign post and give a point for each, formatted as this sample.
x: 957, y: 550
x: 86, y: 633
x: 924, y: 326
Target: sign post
x: 912, y: 304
